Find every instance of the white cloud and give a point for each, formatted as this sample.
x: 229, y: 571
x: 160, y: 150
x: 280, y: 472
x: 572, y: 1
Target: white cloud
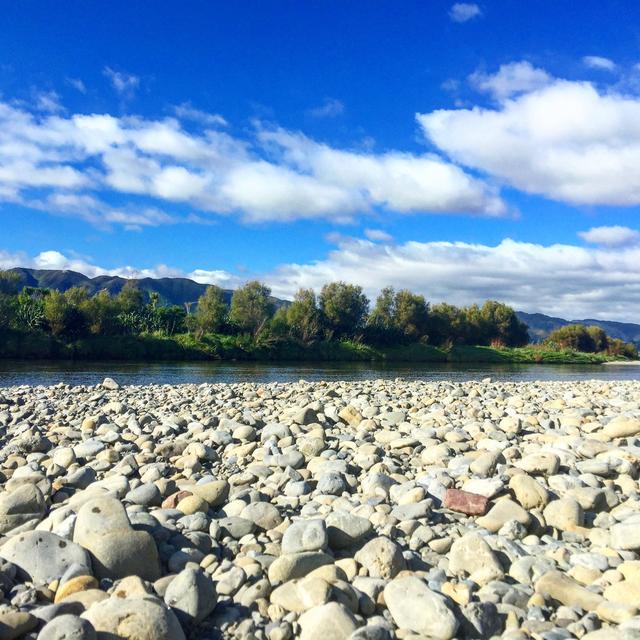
x: 464, y: 11
x: 561, y: 280
x: 330, y: 108
x: 272, y: 175
x: 399, y: 181
x: 614, y: 236
x: 48, y: 101
x: 597, y: 62
x: 77, y: 84
x: 187, y: 112
x: 511, y: 79
x: 378, y: 235
x: 124, y: 83
x: 566, y: 141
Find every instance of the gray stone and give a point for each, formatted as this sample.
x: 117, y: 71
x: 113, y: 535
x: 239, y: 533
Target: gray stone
x: 117, y: 550
x: 68, y: 627
x: 346, y: 530
x: 331, y: 621
x: 305, y: 535
x: 381, y: 557
x: 262, y: 514
x: 20, y: 506
x: 134, y: 619
x: 415, y: 607
x: 473, y: 556
x: 191, y: 594
x: 44, y: 556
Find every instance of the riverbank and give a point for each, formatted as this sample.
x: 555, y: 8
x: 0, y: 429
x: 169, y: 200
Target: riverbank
x: 377, y: 509
x: 15, y: 345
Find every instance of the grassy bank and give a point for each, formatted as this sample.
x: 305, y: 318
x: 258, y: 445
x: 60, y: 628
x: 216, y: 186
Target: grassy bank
x: 18, y: 345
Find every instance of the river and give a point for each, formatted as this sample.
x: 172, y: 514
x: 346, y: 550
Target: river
x: 89, y: 373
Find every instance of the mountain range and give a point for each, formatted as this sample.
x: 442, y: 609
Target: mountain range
x: 182, y: 290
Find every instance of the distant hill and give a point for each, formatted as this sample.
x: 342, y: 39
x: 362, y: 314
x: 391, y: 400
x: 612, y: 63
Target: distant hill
x: 171, y: 290
x: 541, y: 325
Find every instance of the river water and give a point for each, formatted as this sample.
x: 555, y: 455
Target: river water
x: 89, y: 373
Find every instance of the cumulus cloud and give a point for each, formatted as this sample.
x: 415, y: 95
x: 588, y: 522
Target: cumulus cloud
x: 464, y: 11
x: 598, y: 62
x: 566, y: 140
x: 511, y: 79
x: 561, y: 279
x: 614, y: 236
x: 399, y: 181
x: 124, y: 83
x: 330, y: 108
x: 66, y: 164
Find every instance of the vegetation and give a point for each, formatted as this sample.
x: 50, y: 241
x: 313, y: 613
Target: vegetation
x: 336, y: 325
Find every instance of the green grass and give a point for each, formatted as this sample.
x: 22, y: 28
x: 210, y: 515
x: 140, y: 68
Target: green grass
x: 524, y: 355
x: 18, y: 345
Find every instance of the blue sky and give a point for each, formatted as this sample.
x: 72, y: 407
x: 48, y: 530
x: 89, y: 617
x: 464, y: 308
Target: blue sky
x: 462, y: 150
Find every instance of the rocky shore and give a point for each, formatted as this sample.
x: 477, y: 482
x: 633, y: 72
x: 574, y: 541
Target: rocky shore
x: 323, y: 511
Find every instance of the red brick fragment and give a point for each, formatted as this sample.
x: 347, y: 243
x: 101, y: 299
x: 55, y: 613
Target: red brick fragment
x: 472, y: 504
x: 172, y: 501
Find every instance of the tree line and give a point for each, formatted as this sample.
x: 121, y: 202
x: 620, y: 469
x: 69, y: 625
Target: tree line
x: 589, y: 339
x: 340, y: 311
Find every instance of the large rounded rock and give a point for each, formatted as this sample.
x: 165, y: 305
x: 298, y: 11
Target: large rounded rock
x: 191, y: 594
x: 346, y: 530
x: 381, y: 557
x: 473, y: 556
x: 528, y: 491
x: 564, y: 514
x: 117, y: 550
x: 305, y: 535
x: 134, y: 619
x: 415, y: 607
x: 331, y: 621
x: 44, y: 556
x: 296, y: 565
x: 20, y: 506
x: 262, y: 514
x: 68, y: 627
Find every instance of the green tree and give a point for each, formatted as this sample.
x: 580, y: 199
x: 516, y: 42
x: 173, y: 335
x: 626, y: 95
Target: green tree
x: 572, y: 336
x: 411, y: 316
x: 211, y: 313
x: 30, y: 308
x: 616, y: 347
x: 170, y: 320
x: 57, y: 312
x: 130, y: 299
x: 447, y: 324
x: 8, y: 288
x: 9, y: 282
x: 251, y: 307
x: 344, y: 308
x: 599, y: 337
x: 101, y: 312
x: 303, y: 316
x: 501, y: 325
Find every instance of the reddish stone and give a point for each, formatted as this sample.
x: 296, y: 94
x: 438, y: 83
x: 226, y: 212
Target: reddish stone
x: 473, y: 504
x: 172, y: 501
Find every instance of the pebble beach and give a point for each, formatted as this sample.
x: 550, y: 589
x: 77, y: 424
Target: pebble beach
x: 366, y: 510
